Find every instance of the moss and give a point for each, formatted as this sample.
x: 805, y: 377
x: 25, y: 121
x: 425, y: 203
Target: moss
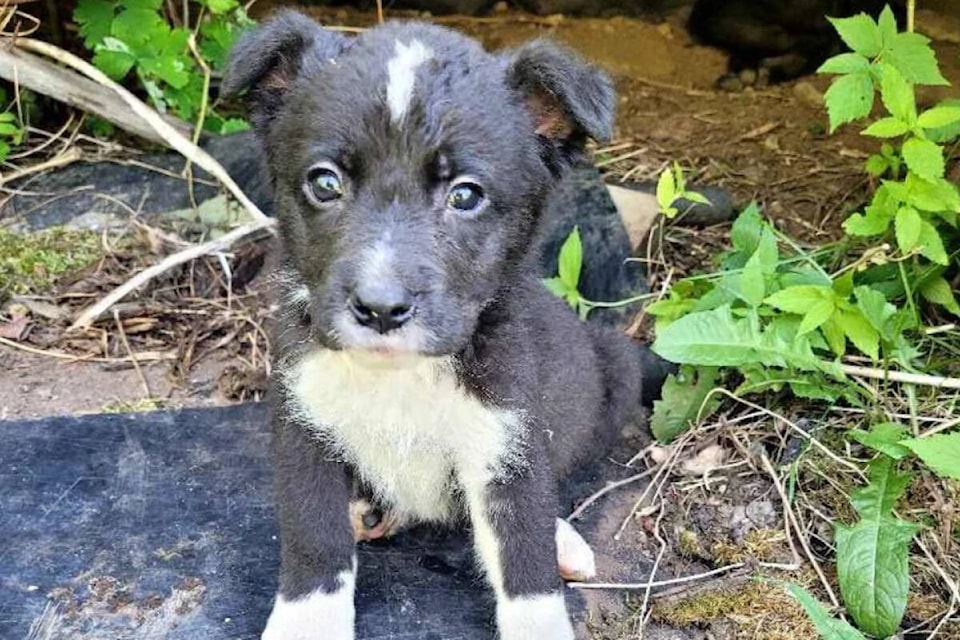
x: 759, y: 544
x: 32, y: 263
x: 757, y: 610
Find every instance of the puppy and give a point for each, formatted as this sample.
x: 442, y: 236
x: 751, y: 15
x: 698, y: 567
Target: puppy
x: 417, y: 352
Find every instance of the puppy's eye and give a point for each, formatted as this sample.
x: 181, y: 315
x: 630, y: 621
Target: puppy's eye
x: 323, y: 184
x: 465, y: 196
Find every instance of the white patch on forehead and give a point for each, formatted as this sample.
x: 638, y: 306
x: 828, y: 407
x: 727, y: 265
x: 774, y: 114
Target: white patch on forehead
x: 408, y: 426
x: 402, y: 74
x: 378, y: 262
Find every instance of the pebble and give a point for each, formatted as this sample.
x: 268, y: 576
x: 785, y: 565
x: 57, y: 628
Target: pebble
x: 808, y: 94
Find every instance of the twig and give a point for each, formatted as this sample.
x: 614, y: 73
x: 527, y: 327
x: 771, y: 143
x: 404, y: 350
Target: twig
x: 654, y: 584
x: 71, y: 155
x: 59, y: 355
x: 644, y: 609
x: 170, y: 135
x: 604, y: 491
x: 94, y: 311
x: 940, y: 382
x: 133, y: 359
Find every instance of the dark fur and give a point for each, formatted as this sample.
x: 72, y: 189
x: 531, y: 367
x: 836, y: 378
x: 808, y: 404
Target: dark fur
x: 313, y: 94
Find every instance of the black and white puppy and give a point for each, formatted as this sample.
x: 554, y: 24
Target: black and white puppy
x: 417, y: 352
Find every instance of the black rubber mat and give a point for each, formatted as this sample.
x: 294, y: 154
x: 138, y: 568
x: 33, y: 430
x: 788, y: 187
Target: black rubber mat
x: 161, y: 525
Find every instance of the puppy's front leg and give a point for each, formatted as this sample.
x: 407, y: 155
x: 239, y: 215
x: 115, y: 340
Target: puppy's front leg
x: 514, y: 528
x: 317, y: 555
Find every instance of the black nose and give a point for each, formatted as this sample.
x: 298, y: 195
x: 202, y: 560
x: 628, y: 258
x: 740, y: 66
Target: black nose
x: 384, y: 308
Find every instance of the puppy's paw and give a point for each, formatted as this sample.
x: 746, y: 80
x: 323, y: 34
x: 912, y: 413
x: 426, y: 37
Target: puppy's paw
x: 574, y: 556
x: 317, y: 616
x: 370, y: 522
x: 534, y: 618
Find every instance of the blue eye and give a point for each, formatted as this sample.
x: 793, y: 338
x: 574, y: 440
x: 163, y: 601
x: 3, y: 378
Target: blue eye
x: 465, y: 196
x: 323, y: 184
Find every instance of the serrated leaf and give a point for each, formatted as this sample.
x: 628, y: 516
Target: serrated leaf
x: 849, y: 98
x: 860, y: 332
x: 897, y: 95
x: 142, y: 5
x: 220, y: 6
x: 682, y: 402
x: 885, y: 438
x: 799, y: 299
x: 937, y: 290
x: 833, y: 333
x: 940, y: 116
x: 886, y: 128
x: 816, y: 315
x: 746, y: 230
x: 877, y: 165
x: 874, y: 307
x: 752, y: 286
x: 940, y: 452
x: 924, y: 158
x: 908, y: 223
x: 931, y: 244
x: 94, y: 18
x: 873, y: 554
x: 666, y: 191
x: 912, y: 56
x: 947, y: 133
x: 860, y: 33
x: 845, y: 63
x: 887, y: 22
x: 571, y: 260
x: 114, y: 58
x: 827, y: 626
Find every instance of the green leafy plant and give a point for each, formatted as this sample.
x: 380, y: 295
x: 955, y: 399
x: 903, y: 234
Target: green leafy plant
x: 134, y: 37
x: 672, y: 189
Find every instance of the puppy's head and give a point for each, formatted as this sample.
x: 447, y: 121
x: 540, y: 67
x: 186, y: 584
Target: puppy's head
x: 409, y: 168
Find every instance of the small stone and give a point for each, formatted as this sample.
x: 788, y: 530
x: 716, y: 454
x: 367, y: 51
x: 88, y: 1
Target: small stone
x: 808, y: 94
x: 730, y: 82
x: 748, y: 77
x: 665, y: 30
x: 501, y: 7
x: 554, y: 20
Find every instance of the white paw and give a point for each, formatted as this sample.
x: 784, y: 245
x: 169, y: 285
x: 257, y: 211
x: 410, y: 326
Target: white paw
x: 534, y: 618
x: 317, y: 616
x: 574, y: 556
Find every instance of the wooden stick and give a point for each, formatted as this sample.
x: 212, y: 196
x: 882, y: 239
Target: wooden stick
x: 168, y: 133
x: 49, y: 79
x: 901, y: 376
x: 91, y: 313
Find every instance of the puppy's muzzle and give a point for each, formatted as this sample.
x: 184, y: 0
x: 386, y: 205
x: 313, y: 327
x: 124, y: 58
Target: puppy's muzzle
x: 383, y: 307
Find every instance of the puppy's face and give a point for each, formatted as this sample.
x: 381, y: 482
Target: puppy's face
x: 409, y: 168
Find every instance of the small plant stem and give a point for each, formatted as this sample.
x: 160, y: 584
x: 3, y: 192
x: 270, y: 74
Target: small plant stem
x: 904, y: 377
x: 379, y: 11
x: 802, y: 254
x: 618, y: 303
x: 911, y: 14
x: 906, y: 287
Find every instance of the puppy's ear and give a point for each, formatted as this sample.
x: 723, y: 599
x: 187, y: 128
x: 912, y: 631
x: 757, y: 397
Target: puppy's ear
x: 568, y: 99
x: 266, y: 61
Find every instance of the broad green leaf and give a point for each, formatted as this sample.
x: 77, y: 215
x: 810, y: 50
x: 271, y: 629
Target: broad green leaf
x: 932, y: 195
x: 860, y: 332
x: 908, y: 225
x: 834, y: 335
x: 913, y: 57
x: 799, y: 299
x: 818, y: 313
x: 220, y: 6
x: 924, y: 158
x: 931, y: 244
x: 874, y: 307
x: 556, y: 287
x: 114, y: 58
x: 143, y: 5
x: 884, y: 437
x: 937, y: 290
x: 886, y: 128
x: 752, y: 286
x: 940, y: 452
x: 877, y: 165
x: 897, y: 95
x: 94, y: 18
x: 860, y: 33
x: 233, y: 125
x: 947, y: 133
x: 845, y: 63
x: 939, y: 116
x: 887, y: 22
x: 682, y: 398
x: 827, y: 626
x: 666, y: 192
x: 746, y: 230
x: 849, y: 98
x: 9, y: 130
x: 873, y: 555
x: 571, y: 260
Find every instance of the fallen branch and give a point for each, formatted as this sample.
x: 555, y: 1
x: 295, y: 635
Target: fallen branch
x: 45, y: 77
x: 164, y: 129
x: 922, y: 379
x: 91, y: 313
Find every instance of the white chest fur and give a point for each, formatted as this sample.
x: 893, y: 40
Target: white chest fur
x: 409, y: 428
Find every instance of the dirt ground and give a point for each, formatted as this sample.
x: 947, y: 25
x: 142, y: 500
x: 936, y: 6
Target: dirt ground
x: 767, y: 144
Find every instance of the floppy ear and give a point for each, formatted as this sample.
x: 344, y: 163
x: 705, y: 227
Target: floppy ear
x: 266, y: 60
x: 568, y: 99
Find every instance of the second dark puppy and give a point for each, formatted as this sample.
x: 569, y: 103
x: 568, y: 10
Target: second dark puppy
x: 417, y: 352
